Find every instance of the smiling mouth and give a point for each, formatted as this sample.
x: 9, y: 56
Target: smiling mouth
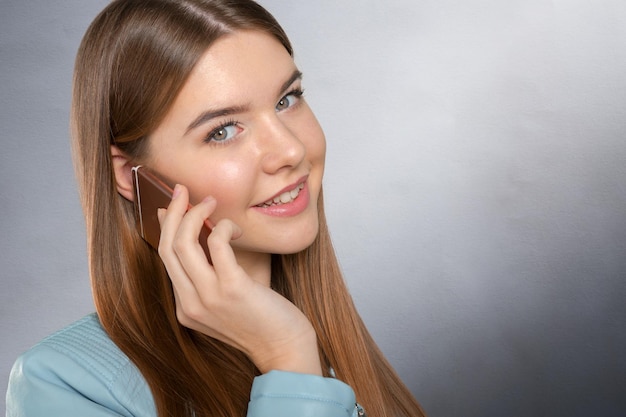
x: 284, y: 198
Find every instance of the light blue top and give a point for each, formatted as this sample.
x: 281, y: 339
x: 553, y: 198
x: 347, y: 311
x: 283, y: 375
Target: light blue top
x: 79, y: 371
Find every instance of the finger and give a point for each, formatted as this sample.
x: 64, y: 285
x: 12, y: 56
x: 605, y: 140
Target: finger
x: 186, y: 242
x: 172, y: 217
x: 195, y: 218
x: 224, y: 260
x: 170, y: 220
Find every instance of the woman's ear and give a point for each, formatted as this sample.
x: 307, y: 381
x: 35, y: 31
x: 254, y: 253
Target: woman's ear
x: 123, y: 175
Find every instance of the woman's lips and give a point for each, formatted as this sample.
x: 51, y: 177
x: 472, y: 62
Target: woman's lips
x: 284, y: 198
x: 287, y: 203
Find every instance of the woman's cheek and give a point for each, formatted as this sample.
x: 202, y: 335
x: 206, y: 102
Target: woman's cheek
x: 230, y: 183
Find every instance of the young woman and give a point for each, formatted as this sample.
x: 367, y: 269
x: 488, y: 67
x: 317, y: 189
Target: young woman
x: 204, y: 93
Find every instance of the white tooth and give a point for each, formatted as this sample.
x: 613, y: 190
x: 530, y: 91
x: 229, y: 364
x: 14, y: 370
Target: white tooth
x: 285, y: 197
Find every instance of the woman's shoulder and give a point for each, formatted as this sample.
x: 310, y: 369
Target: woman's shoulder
x: 77, y: 369
x: 86, y: 343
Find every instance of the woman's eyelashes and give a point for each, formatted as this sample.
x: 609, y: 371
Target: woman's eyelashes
x: 230, y: 129
x: 224, y: 132
x: 290, y: 99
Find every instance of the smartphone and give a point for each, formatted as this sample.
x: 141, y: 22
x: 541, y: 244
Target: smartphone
x: 152, y: 193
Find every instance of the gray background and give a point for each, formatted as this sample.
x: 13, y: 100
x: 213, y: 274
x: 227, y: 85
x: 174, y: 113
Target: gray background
x: 475, y: 189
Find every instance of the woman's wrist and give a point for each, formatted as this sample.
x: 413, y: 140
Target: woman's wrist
x: 300, y: 356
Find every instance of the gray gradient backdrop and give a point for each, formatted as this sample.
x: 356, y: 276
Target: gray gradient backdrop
x: 475, y: 189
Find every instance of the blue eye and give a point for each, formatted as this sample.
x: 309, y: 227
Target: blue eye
x: 289, y: 100
x: 223, y: 133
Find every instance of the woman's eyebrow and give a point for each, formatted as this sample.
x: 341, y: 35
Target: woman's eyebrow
x: 296, y: 75
x: 211, y: 114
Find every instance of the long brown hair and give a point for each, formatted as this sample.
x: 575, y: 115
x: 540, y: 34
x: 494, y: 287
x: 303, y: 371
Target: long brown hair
x: 132, y: 62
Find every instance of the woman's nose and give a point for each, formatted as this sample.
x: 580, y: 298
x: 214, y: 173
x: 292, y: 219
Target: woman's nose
x: 282, y: 148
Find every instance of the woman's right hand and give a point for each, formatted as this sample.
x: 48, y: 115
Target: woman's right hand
x: 223, y: 301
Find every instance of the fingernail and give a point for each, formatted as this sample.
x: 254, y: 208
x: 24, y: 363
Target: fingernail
x: 176, y: 191
x: 160, y: 214
x: 208, y: 199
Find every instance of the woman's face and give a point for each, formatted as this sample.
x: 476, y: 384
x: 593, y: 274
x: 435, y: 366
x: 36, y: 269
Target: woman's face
x: 241, y: 132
